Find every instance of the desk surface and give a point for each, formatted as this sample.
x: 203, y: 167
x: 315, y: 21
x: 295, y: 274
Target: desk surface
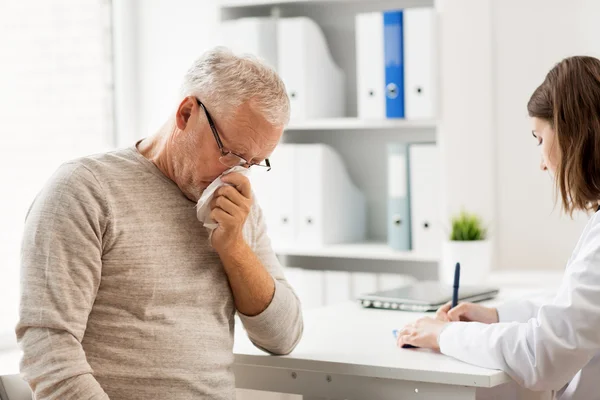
x: 350, y: 340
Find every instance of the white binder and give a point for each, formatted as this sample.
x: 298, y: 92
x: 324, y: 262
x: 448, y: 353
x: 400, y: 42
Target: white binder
x: 329, y: 207
x: 362, y: 283
x: 257, y: 36
x: 315, y: 84
x: 419, y: 63
x: 370, y: 68
x: 337, y: 287
x: 425, y: 190
x: 398, y: 208
x: 275, y: 193
x: 309, y: 286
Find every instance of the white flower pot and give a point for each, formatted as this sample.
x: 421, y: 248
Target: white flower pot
x: 475, y: 258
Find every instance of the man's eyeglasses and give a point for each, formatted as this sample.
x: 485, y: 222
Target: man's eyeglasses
x: 229, y: 158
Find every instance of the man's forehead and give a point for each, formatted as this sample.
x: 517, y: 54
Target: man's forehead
x: 252, y: 142
x: 251, y: 131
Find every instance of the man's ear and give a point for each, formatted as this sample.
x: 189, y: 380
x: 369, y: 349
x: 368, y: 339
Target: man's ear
x: 184, y: 112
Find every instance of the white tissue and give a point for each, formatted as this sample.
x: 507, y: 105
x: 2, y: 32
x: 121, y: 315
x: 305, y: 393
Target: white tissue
x: 203, y: 207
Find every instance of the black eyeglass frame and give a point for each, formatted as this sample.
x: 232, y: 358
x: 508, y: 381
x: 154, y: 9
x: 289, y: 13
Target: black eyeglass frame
x: 224, y: 152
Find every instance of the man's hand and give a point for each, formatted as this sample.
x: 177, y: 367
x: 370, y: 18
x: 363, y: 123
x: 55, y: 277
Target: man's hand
x: 424, y: 333
x: 230, y: 207
x: 467, y: 312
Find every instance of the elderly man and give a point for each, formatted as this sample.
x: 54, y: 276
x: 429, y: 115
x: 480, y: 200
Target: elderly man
x: 124, y: 296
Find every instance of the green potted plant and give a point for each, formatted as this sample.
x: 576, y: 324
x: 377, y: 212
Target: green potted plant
x: 468, y: 244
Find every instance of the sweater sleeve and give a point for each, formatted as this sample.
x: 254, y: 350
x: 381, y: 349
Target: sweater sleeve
x: 279, y: 327
x: 61, y: 263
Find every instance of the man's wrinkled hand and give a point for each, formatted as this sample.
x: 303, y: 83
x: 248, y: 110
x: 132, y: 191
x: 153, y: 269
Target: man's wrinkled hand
x: 230, y: 207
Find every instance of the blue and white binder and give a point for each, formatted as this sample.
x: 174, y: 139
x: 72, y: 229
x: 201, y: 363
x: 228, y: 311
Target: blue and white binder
x: 398, y: 224
x: 394, y: 63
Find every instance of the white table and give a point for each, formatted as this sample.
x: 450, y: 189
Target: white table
x: 11, y: 384
x: 348, y: 352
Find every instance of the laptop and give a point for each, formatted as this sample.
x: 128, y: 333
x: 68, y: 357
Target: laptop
x: 424, y: 296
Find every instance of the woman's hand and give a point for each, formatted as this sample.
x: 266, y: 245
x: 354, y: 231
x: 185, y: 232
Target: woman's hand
x: 467, y: 312
x: 424, y: 333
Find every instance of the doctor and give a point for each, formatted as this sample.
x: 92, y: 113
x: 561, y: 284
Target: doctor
x: 553, y: 345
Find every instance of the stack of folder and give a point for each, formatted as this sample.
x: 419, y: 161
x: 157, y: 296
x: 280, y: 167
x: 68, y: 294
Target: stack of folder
x: 305, y: 197
x: 297, y: 49
x: 413, y: 198
x: 395, y: 62
x: 308, y: 198
x: 395, y: 53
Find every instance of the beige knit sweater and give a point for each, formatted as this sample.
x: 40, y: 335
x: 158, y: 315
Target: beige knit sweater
x: 122, y: 296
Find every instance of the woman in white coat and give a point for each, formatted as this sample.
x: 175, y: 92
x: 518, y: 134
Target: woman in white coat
x: 553, y: 345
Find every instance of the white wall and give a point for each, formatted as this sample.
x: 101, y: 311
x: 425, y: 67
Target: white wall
x: 168, y: 35
x: 493, y: 54
x: 529, y: 38
x: 56, y: 104
x: 466, y: 120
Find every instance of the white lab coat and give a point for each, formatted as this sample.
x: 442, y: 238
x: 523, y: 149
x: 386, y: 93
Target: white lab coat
x: 549, y: 346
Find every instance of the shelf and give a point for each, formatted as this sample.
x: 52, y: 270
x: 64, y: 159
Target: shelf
x: 359, y: 124
x: 369, y: 251
x: 265, y: 3
x: 259, y: 3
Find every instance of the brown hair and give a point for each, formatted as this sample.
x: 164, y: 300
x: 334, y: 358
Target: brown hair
x: 569, y: 99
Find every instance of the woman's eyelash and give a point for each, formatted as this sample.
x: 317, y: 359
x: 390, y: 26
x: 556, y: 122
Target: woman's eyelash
x: 537, y: 137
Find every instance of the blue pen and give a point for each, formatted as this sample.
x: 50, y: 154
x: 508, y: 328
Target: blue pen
x: 456, y: 285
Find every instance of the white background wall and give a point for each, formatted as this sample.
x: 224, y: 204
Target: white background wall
x: 55, y: 105
x: 466, y: 118
x: 527, y: 39
x: 168, y: 36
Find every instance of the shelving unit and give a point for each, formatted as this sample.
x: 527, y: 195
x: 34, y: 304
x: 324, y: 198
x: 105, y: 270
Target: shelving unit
x: 366, y: 4
x: 259, y: 3
x: 365, y: 251
x: 361, y: 143
x: 338, y: 124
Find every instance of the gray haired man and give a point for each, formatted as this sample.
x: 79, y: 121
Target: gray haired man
x: 124, y: 296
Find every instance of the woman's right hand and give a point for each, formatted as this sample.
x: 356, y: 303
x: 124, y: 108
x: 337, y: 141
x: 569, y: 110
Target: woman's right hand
x: 467, y: 312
